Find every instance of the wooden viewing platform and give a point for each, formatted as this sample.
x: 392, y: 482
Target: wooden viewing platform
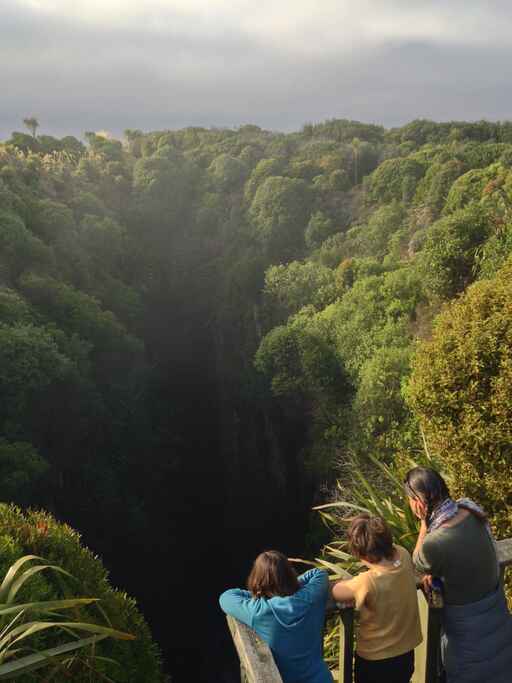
x: 257, y: 664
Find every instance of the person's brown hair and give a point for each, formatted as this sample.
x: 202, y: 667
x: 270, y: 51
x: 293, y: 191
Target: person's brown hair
x: 272, y: 575
x: 370, y: 539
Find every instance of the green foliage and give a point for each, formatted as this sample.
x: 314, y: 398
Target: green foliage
x: 22, y: 622
x: 30, y: 362
x: 13, y: 307
x: 374, y: 313
x: 107, y: 147
x: 433, y: 189
x: 300, y: 362
x: 50, y: 219
x: 379, y: 406
x: 19, y: 248
x: 495, y: 251
x: 423, y: 131
x: 21, y: 471
x: 37, y: 533
x: 373, y: 238
x: 344, y: 130
x: 319, y: 228
x: 395, y: 179
x: 76, y: 312
x: 460, y: 389
x: 228, y: 173
x: 25, y: 143
x: 86, y: 203
x: 468, y: 189
x: 132, y: 274
x: 280, y: 212
x: 450, y: 249
x: 297, y: 284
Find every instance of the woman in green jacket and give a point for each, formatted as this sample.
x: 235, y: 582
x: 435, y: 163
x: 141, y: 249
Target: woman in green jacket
x: 455, y: 545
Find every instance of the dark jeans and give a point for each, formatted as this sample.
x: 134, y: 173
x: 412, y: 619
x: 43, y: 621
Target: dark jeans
x: 393, y: 670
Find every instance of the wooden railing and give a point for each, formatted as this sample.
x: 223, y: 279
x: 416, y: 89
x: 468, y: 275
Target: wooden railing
x: 257, y: 664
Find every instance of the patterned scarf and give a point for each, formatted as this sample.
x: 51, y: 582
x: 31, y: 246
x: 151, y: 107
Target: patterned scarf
x: 449, y: 508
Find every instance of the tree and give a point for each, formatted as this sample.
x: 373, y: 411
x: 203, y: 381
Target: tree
x: 383, y: 223
x: 356, y: 146
x: 228, y: 172
x: 30, y: 362
x: 379, y: 407
x: 319, y: 228
x: 32, y: 124
x: 300, y: 362
x: 13, y: 308
x: 395, y: 179
x: 375, y: 313
x: 279, y: 213
x: 51, y: 219
x: 448, y: 256
x: 19, y: 248
x: 27, y: 143
x: 21, y: 472
x: 433, y: 189
x: 263, y: 169
x: 292, y: 286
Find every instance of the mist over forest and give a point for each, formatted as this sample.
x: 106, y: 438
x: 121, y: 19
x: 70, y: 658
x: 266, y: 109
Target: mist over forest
x: 200, y: 328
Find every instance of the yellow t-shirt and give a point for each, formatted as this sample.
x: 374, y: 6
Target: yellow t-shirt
x: 389, y: 622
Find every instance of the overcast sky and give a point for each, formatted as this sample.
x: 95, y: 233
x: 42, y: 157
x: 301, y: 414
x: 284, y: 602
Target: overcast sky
x: 152, y: 64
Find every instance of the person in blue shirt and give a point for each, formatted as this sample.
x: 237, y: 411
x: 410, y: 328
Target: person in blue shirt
x: 288, y: 612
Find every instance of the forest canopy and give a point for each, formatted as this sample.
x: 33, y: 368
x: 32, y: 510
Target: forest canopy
x: 241, y: 308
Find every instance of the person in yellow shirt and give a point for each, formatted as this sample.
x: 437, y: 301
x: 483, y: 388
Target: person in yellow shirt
x: 385, y: 596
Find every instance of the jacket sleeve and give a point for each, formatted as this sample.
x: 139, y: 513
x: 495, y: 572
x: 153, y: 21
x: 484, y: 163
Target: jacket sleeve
x: 314, y: 585
x: 426, y: 560
x: 238, y: 603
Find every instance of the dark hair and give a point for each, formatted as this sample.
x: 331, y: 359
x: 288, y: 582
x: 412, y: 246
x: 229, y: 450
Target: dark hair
x: 369, y: 538
x: 427, y: 485
x: 272, y: 575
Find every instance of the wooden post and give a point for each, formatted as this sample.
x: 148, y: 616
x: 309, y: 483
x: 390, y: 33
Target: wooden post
x: 346, y: 645
x: 256, y: 662
x: 433, y: 645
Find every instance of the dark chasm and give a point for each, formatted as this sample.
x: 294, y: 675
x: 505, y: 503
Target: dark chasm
x: 227, y: 485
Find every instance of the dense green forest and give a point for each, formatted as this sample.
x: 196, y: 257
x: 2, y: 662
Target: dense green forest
x: 198, y: 326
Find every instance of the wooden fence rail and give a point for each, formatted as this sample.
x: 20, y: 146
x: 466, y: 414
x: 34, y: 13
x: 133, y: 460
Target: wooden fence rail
x: 257, y: 664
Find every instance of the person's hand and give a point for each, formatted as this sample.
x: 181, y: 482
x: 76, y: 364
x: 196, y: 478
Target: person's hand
x: 426, y: 582
x: 419, y: 508
x: 346, y: 604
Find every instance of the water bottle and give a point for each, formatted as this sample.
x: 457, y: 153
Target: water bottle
x: 436, y: 598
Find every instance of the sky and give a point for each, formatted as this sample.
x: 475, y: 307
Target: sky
x: 80, y: 65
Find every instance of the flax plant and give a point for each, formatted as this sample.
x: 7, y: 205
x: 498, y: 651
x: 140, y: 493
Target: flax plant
x: 375, y: 488
x: 21, y: 623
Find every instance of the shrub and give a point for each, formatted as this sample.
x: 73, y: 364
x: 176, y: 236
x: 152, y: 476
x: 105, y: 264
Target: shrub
x: 40, y: 534
x: 461, y: 390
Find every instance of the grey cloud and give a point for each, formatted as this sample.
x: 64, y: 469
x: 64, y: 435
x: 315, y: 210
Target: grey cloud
x: 77, y: 78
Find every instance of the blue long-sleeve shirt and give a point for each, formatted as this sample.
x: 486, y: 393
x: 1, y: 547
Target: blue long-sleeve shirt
x: 292, y: 626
